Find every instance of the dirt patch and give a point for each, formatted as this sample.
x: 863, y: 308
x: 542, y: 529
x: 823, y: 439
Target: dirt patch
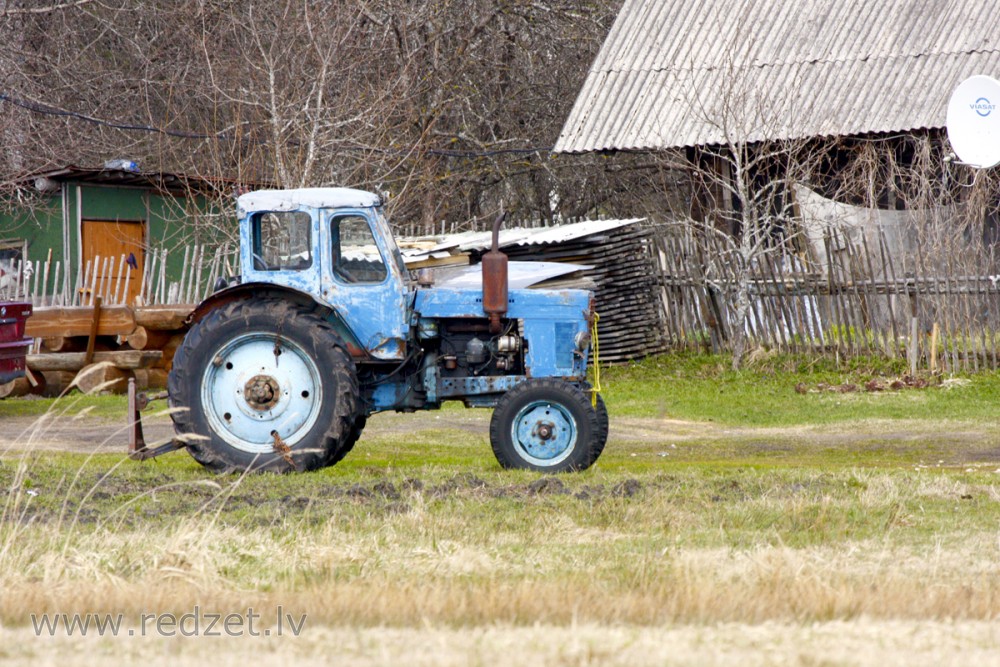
x: 955, y: 444
x: 77, y: 434
x: 157, y: 498
x: 627, y: 489
x: 873, y: 385
x: 547, y: 485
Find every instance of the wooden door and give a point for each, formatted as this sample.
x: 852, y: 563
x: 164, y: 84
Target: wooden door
x: 105, y: 243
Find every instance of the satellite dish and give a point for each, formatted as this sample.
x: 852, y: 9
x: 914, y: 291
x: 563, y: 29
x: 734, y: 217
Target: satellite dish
x: 974, y: 121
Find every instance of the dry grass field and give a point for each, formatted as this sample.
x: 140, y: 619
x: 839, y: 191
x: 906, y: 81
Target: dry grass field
x: 773, y: 527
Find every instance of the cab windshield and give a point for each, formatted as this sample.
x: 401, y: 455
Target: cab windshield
x: 382, y: 225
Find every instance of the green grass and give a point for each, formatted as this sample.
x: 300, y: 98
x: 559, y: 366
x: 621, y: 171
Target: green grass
x: 733, y: 491
x: 704, y: 388
x: 108, y: 406
x: 721, y: 497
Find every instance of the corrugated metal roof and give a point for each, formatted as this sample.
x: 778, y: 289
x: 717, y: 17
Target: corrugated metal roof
x: 677, y: 73
x: 144, y: 179
x: 517, y: 236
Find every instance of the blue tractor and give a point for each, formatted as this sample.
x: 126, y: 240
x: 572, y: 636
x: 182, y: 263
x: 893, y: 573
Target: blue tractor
x: 325, y: 326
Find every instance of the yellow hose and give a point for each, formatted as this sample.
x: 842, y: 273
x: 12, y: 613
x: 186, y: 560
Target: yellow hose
x: 596, y: 388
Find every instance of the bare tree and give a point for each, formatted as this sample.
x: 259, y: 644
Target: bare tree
x: 447, y: 106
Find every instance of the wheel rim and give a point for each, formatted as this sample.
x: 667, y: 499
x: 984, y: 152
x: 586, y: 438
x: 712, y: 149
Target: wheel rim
x: 258, y: 386
x: 544, y: 433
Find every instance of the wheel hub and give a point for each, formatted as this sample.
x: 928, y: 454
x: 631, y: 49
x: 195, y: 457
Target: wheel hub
x: 261, y: 392
x: 249, y: 392
x: 544, y: 430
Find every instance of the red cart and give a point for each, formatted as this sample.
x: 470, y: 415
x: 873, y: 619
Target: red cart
x: 13, y: 345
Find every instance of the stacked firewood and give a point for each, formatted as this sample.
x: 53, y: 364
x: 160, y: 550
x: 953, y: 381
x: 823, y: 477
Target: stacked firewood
x: 100, y: 349
x: 627, y: 298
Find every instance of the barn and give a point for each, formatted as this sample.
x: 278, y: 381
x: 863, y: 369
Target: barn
x: 811, y: 135
x: 856, y: 92
x: 679, y: 74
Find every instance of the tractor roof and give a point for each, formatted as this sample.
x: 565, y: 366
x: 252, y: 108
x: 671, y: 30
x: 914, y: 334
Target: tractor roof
x: 287, y: 200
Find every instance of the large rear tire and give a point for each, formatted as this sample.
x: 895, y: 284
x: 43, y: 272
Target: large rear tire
x: 264, y: 384
x: 547, y: 425
x: 352, y: 439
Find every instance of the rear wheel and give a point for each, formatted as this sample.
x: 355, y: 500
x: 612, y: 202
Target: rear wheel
x: 547, y: 425
x: 267, y: 385
x: 352, y: 439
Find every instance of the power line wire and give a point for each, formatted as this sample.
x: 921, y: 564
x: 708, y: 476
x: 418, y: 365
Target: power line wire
x: 49, y: 110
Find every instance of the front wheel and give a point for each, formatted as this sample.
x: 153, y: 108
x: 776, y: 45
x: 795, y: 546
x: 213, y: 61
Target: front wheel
x: 603, y: 425
x: 547, y: 425
x: 603, y: 422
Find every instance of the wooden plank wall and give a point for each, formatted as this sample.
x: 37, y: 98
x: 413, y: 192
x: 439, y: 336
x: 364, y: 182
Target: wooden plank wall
x: 863, y: 298
x: 624, y: 272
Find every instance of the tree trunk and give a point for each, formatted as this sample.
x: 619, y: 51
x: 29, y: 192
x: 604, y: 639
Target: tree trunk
x: 146, y: 339
x: 150, y: 378
x: 742, y: 310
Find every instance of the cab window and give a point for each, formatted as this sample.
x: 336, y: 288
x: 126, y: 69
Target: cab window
x: 356, y: 258
x: 282, y: 241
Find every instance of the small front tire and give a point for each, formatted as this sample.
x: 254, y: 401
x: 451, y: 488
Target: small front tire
x: 603, y: 425
x: 547, y: 425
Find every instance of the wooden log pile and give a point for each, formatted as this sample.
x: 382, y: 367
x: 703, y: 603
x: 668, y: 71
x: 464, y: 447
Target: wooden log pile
x: 623, y: 271
x: 627, y: 294
x: 99, y: 349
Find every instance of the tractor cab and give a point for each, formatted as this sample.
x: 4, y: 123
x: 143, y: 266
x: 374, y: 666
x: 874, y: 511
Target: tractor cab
x: 335, y: 245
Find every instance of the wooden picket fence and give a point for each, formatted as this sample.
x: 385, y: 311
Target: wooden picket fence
x: 851, y: 295
x: 53, y: 283
x: 862, y: 297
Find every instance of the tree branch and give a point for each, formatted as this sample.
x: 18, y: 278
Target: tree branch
x: 8, y: 11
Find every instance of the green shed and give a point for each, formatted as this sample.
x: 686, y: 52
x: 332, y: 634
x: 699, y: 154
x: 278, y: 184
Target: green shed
x: 116, y: 232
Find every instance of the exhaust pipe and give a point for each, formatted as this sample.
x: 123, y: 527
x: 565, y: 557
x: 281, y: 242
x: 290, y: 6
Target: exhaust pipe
x: 495, y: 280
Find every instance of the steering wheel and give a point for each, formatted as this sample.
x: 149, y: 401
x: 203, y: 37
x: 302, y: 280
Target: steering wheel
x: 345, y: 274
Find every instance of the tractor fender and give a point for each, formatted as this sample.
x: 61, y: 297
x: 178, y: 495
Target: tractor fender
x: 263, y: 290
